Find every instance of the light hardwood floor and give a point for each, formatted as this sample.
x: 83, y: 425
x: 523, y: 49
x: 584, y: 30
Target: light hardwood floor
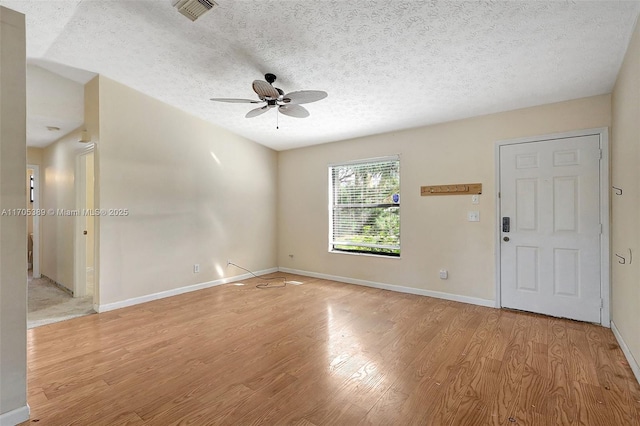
x: 325, y: 353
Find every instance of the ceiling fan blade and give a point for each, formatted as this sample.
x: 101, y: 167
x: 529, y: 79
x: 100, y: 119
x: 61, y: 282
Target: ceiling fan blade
x: 265, y: 90
x: 256, y: 112
x: 294, y: 111
x: 304, y: 96
x: 235, y: 101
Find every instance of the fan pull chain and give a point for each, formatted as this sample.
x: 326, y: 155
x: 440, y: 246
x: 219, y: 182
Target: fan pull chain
x: 277, y: 116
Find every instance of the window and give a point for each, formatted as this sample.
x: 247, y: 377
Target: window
x: 364, y: 210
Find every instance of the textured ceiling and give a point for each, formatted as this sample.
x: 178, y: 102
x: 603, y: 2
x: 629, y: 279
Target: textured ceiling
x: 386, y: 65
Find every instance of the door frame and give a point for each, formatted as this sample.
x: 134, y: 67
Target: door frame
x: 36, y: 220
x: 80, y: 249
x: 605, y: 263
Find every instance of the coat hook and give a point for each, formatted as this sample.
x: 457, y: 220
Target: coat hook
x: 623, y: 261
x: 618, y: 190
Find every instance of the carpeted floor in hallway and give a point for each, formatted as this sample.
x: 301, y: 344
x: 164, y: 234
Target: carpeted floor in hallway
x: 47, y: 303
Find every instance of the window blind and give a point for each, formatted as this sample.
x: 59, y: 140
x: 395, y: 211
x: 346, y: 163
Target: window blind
x: 365, y: 207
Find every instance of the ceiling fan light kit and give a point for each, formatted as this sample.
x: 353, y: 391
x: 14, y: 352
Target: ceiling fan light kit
x: 272, y: 97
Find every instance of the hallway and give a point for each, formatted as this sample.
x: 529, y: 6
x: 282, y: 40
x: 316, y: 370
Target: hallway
x: 47, y: 303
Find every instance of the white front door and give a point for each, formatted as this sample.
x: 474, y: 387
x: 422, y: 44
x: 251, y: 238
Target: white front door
x: 550, y: 227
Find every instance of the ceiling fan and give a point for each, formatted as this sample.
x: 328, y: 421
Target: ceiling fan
x: 272, y: 97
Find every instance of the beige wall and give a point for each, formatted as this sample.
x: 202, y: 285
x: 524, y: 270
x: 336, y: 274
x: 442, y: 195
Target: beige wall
x: 34, y: 156
x: 58, y: 193
x: 195, y: 193
x: 28, y: 202
x: 13, y: 244
x: 92, y: 126
x: 435, y: 232
x: 625, y: 230
x: 92, y: 108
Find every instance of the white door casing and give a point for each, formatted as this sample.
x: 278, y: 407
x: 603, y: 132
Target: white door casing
x: 551, y: 259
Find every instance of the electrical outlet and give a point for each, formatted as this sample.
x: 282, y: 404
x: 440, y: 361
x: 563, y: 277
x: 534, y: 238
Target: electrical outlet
x: 473, y: 216
x: 196, y: 268
x: 444, y: 274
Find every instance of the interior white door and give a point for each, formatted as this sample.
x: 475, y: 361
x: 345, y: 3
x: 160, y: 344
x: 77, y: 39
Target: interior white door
x: 550, y: 253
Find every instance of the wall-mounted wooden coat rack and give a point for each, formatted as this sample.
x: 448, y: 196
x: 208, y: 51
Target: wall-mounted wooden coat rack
x: 453, y: 189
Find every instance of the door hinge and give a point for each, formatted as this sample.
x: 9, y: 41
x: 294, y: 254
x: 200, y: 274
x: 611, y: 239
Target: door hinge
x: 601, y: 303
x: 600, y: 229
x: 600, y: 153
x: 498, y: 194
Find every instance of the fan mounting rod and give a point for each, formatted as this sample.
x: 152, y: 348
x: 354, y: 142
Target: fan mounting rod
x: 270, y: 78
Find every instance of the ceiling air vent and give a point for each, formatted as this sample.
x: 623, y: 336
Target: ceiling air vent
x: 193, y: 9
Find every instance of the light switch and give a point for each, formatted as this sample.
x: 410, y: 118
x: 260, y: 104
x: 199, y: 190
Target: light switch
x: 475, y: 199
x: 473, y: 216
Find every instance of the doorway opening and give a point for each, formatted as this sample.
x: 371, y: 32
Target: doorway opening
x: 33, y: 220
x: 49, y: 301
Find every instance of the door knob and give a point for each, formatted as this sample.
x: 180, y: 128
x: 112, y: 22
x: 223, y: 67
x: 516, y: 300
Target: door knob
x: 506, y: 238
x: 84, y: 232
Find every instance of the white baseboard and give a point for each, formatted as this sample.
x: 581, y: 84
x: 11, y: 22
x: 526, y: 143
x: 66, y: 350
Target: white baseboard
x: 14, y: 417
x: 437, y: 294
x: 627, y: 353
x: 161, y: 295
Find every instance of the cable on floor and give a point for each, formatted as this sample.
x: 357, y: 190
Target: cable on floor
x: 263, y: 285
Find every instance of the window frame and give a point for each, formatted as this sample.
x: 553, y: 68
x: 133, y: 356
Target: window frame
x: 331, y: 206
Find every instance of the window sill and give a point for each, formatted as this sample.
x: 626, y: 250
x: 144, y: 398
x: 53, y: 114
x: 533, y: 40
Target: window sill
x: 365, y: 254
